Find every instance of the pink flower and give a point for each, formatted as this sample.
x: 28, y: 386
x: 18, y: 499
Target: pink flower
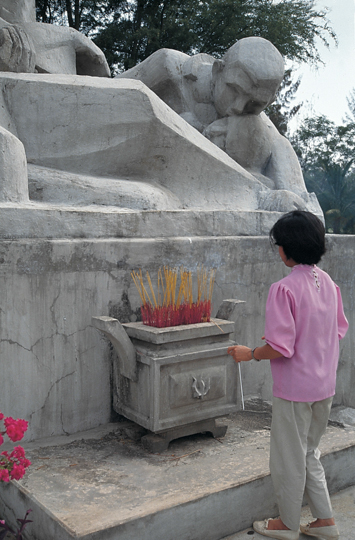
x: 13, y: 465
x: 4, y: 475
x: 17, y: 472
x: 15, y: 429
x: 18, y: 452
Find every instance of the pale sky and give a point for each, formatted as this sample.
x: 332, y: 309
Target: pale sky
x: 324, y: 91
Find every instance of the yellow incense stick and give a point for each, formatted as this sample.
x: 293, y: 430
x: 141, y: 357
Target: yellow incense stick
x: 151, y: 289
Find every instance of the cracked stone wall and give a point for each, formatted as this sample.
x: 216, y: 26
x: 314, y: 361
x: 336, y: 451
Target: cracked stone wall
x: 56, y: 368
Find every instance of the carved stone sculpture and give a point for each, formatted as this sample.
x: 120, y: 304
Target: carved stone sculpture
x: 224, y: 99
x: 91, y: 140
x: 27, y: 46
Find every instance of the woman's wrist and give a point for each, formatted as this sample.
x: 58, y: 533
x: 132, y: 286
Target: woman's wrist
x: 253, y: 354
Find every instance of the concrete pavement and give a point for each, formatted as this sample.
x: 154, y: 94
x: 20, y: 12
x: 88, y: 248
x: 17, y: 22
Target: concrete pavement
x: 343, y: 504
x: 103, y: 485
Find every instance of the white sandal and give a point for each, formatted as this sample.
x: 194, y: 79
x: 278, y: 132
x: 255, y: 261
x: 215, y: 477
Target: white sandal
x: 329, y: 532
x: 261, y: 528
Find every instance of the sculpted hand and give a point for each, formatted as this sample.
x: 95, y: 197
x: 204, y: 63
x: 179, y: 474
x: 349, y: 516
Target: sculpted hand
x: 240, y: 353
x: 217, y: 132
x: 16, y: 50
x: 90, y: 60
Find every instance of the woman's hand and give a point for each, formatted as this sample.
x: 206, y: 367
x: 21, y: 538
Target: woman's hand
x: 240, y: 353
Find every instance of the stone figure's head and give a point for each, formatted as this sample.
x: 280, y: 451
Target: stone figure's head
x: 18, y: 11
x: 247, y: 78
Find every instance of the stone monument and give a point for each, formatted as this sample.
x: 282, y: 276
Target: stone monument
x: 115, y: 143
x: 224, y: 99
x: 101, y: 176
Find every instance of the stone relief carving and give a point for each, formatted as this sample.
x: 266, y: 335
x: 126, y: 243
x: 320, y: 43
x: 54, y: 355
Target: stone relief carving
x: 89, y: 139
x: 224, y: 99
x: 30, y: 47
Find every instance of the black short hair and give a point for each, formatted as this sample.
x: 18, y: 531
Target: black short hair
x: 301, y: 235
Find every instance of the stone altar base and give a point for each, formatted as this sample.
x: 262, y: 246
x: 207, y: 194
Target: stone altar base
x: 61, y: 366
x: 41, y: 220
x: 102, y: 484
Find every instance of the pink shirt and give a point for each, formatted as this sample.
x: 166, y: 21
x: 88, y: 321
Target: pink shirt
x: 304, y: 322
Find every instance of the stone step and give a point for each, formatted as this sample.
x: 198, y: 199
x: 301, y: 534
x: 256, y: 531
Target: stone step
x: 102, y: 484
x: 343, y: 504
x: 49, y: 221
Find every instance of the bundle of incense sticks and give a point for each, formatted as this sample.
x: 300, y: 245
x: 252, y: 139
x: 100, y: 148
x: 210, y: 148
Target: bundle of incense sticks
x: 172, y: 307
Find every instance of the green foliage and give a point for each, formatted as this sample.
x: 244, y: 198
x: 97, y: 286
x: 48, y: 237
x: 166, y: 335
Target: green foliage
x: 293, y: 26
x: 350, y: 116
x: 134, y: 34
x: 327, y: 157
x: 87, y: 16
x: 128, y: 31
x: 281, y: 111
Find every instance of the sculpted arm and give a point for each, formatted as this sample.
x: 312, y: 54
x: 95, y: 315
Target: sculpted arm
x: 17, y: 52
x: 162, y: 73
x: 31, y: 47
x: 284, y: 168
x: 90, y: 60
x: 60, y: 49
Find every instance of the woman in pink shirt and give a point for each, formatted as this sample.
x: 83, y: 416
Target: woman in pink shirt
x: 304, y: 322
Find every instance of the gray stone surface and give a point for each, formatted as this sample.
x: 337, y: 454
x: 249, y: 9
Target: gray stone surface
x: 169, y: 380
x: 32, y: 221
x: 137, y: 138
x: 13, y: 167
x: 187, y: 337
x: 345, y: 416
x: 30, y: 47
x: 115, y: 142
x: 126, y: 352
x: 18, y: 11
x: 343, y: 504
x: 61, y: 366
x: 103, y: 485
x: 62, y: 264
x: 224, y: 99
x: 72, y: 189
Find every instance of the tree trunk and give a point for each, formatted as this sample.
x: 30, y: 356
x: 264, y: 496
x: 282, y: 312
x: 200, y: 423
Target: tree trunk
x: 69, y: 13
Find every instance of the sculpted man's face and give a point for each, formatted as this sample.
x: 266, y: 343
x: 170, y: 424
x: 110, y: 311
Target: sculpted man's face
x: 17, y: 11
x: 235, y: 93
x: 247, y: 79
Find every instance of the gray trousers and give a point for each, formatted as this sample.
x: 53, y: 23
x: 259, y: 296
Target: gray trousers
x: 296, y: 430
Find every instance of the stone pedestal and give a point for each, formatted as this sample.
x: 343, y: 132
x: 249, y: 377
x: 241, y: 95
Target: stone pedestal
x: 182, y: 379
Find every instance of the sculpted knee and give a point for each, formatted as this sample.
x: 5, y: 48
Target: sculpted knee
x: 13, y: 169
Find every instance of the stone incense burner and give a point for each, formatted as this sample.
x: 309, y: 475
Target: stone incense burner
x: 173, y: 381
